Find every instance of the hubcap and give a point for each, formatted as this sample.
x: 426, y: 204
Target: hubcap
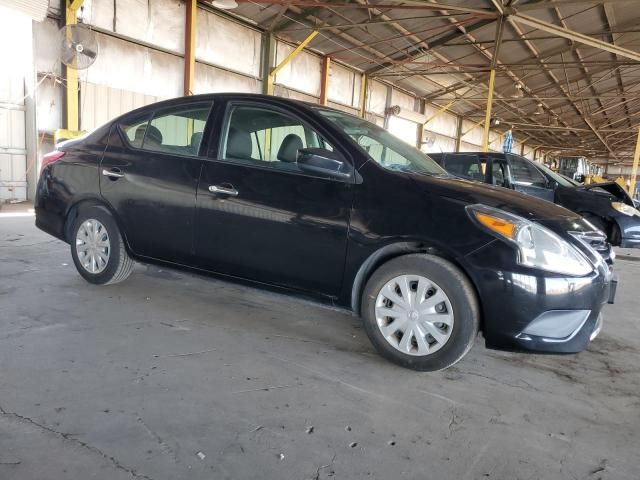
x: 414, y: 315
x: 93, y: 246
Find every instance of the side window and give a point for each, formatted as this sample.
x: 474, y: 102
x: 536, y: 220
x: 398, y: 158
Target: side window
x: 266, y: 137
x: 134, y: 129
x: 523, y: 172
x: 499, y: 173
x: 465, y: 166
x: 175, y: 130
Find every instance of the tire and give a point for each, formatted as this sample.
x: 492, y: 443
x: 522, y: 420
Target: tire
x: 459, y: 307
x: 113, y: 264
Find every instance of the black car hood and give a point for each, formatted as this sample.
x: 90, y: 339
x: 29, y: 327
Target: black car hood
x: 610, y: 187
x: 467, y: 192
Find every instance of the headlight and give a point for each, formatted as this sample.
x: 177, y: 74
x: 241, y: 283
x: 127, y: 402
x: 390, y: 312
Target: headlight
x: 538, y: 247
x: 624, y: 208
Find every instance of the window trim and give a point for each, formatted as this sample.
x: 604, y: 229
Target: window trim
x: 224, y: 132
x: 152, y: 113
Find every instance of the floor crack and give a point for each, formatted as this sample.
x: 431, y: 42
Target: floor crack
x: 68, y: 437
x: 322, y: 467
x: 165, y: 447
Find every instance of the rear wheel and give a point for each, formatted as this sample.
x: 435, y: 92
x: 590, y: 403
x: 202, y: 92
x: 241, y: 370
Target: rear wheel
x: 420, y: 312
x: 97, y: 248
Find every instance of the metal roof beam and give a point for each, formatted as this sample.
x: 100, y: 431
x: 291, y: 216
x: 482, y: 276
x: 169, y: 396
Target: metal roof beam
x: 542, y: 4
x: 574, y: 36
x: 418, y: 52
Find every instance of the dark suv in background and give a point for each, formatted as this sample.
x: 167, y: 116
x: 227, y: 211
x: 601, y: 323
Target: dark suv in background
x: 606, y: 205
x: 316, y: 202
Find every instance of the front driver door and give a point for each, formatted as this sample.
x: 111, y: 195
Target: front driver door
x: 526, y: 178
x: 259, y: 216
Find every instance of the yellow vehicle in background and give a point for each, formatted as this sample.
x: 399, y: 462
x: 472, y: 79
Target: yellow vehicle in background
x: 580, y: 169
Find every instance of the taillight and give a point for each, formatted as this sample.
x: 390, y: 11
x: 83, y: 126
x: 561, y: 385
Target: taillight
x: 51, y: 157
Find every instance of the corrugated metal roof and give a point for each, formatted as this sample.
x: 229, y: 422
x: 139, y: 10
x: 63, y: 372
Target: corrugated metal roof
x: 579, y: 85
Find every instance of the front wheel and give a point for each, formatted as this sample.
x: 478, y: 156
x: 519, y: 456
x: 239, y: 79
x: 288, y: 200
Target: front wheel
x: 97, y: 248
x: 420, y: 312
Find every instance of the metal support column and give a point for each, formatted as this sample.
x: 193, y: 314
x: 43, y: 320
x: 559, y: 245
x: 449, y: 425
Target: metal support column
x: 459, y: 133
x: 324, y: 81
x: 363, y: 95
x: 268, y: 60
x: 190, y: 46
x: 492, y: 82
x: 387, y: 104
x: 487, y: 116
x: 634, y: 169
x: 72, y: 120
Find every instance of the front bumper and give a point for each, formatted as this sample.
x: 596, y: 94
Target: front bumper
x: 531, y: 310
x: 629, y: 231
x: 630, y: 242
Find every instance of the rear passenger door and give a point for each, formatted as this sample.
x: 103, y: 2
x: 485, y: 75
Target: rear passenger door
x: 149, y: 174
x: 526, y: 178
x: 258, y: 215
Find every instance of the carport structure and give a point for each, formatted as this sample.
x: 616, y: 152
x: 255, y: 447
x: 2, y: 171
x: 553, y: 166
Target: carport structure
x: 447, y: 75
x: 562, y: 73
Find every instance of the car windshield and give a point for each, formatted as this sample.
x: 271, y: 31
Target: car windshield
x: 560, y: 179
x: 382, y: 147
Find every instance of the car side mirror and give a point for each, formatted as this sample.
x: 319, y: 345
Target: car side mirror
x: 323, y: 162
x: 579, y: 178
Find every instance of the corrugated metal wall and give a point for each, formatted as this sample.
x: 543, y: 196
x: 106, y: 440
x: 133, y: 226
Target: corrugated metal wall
x: 16, y: 52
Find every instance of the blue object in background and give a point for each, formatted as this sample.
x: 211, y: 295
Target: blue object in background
x: 508, y: 142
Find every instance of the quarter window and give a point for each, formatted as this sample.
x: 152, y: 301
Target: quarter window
x: 175, y: 130
x: 268, y: 138
x: 134, y: 129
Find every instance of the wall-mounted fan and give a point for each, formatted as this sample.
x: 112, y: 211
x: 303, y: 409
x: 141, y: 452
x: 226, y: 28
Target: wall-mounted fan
x: 78, y: 46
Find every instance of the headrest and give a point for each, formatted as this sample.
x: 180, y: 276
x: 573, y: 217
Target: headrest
x: 239, y: 144
x: 288, y: 151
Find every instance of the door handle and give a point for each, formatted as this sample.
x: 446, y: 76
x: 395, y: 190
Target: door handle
x: 223, y: 190
x: 113, y: 173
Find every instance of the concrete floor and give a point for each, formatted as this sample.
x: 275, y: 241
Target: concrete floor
x: 176, y: 376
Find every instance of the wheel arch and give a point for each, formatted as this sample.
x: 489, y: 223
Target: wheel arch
x: 398, y: 249
x: 74, y: 210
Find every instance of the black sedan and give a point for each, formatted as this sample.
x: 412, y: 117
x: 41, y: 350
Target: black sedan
x: 319, y: 203
x: 606, y: 205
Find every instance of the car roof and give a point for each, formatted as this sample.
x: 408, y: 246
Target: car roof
x: 490, y: 154
x: 212, y: 97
